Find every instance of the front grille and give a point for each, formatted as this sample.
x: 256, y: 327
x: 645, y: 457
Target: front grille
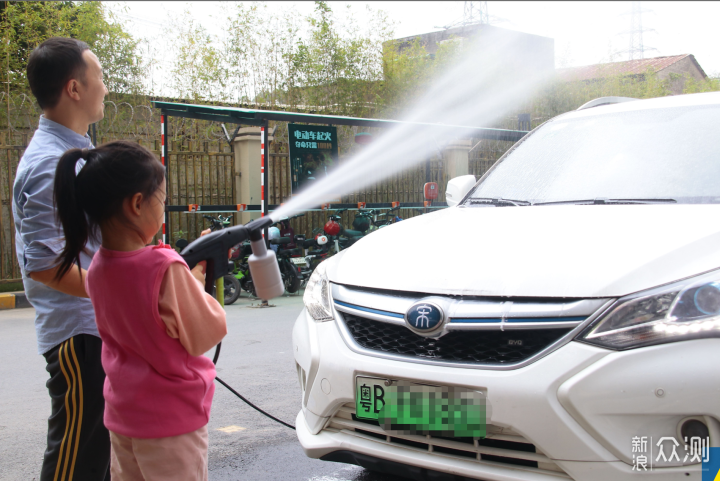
x: 485, y: 347
x: 501, y: 448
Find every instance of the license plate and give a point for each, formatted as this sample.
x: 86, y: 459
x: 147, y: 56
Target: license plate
x: 405, y: 407
x: 298, y: 261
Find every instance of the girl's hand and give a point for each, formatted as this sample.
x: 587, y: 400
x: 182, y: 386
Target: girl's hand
x: 198, y: 272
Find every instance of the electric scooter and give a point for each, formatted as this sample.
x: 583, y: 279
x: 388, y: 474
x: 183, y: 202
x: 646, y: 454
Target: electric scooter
x: 291, y: 279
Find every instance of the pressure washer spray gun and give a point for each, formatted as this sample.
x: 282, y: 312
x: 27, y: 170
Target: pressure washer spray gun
x: 213, y: 248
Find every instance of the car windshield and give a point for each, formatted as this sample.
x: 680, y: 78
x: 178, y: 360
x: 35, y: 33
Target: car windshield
x: 667, y: 155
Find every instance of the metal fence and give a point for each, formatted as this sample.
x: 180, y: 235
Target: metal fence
x: 201, y: 167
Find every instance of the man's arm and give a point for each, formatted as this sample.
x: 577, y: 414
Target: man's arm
x: 43, y: 239
x: 72, y: 282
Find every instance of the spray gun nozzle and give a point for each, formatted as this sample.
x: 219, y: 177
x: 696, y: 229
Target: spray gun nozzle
x: 255, y: 227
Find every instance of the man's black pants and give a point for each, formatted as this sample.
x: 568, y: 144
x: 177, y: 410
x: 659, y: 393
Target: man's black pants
x: 78, y: 444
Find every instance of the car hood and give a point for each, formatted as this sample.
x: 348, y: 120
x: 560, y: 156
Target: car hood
x: 536, y: 251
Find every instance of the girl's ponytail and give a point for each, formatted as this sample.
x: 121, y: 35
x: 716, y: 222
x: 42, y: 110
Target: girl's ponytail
x: 69, y: 211
x: 83, y: 202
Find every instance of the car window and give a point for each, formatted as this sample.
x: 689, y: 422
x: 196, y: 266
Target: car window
x: 671, y: 153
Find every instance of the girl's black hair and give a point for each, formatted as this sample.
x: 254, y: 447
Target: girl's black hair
x: 112, y: 173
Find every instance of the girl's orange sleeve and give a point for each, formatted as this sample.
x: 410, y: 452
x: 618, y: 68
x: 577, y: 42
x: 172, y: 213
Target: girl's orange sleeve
x: 189, y: 313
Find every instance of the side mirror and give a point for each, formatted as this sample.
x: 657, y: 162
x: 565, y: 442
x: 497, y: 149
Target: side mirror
x: 457, y: 188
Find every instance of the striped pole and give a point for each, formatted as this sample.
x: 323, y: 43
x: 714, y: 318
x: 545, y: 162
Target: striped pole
x: 264, y: 158
x: 163, y: 155
x: 262, y: 171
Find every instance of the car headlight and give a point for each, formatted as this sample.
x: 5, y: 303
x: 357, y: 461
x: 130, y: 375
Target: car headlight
x: 317, y: 294
x: 688, y: 309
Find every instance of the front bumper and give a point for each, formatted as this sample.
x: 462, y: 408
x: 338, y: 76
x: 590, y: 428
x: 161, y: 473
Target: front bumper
x: 329, y: 441
x: 555, y: 404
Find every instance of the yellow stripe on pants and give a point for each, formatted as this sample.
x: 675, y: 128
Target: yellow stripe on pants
x: 73, y: 421
x: 80, y: 417
x: 67, y: 409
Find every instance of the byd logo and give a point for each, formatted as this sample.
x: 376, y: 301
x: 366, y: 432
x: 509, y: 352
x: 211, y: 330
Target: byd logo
x: 422, y: 321
x: 424, y: 317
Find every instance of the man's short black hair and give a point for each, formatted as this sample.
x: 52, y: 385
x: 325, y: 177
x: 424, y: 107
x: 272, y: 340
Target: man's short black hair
x: 51, y: 65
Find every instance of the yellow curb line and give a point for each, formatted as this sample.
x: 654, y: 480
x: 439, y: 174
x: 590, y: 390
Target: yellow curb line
x: 7, y: 301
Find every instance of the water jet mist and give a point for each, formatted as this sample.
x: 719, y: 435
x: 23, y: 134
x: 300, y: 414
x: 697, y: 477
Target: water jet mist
x: 496, y: 74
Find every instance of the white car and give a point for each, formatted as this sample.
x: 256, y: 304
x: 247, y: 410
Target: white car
x: 572, y: 298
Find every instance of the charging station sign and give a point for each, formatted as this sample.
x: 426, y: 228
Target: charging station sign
x: 313, y: 153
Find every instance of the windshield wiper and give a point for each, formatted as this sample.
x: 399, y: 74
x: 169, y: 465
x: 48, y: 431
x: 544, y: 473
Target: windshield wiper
x: 602, y: 201
x: 497, y: 201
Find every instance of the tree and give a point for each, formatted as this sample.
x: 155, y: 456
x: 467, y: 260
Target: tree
x: 341, y: 72
x: 25, y: 25
x: 198, y: 72
x: 258, y: 49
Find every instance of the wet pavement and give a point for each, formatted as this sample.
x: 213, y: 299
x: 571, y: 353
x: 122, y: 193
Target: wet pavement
x: 256, y: 359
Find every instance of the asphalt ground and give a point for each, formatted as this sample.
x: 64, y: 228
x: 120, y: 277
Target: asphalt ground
x: 256, y: 359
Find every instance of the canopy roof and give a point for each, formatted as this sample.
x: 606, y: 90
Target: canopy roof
x: 243, y: 116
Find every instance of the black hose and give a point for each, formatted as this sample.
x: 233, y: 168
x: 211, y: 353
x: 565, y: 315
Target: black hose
x: 215, y: 360
x: 252, y: 405
x: 217, y: 353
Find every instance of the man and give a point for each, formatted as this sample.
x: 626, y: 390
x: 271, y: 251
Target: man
x: 67, y: 81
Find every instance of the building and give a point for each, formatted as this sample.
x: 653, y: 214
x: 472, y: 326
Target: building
x: 676, y: 69
x: 518, y: 47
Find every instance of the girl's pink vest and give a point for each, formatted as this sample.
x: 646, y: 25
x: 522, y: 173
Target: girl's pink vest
x: 153, y: 388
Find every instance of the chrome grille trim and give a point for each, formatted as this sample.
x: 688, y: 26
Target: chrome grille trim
x: 461, y: 326
x: 393, y: 303
x: 370, y: 315
x: 342, y: 422
x: 453, y: 326
x: 468, y: 308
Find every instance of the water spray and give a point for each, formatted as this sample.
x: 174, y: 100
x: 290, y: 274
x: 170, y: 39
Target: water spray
x: 498, y: 73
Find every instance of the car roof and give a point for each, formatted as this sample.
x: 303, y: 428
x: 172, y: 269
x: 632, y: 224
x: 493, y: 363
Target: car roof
x: 688, y: 100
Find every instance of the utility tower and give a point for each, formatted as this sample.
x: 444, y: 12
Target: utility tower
x: 473, y: 13
x: 637, y: 48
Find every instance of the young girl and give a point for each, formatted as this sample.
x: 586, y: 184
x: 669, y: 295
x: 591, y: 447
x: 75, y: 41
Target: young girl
x: 153, y: 316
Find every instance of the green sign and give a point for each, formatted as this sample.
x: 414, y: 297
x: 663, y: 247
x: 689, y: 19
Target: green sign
x: 408, y: 408
x: 313, y: 152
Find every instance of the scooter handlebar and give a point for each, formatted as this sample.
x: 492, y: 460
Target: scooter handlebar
x: 281, y: 241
